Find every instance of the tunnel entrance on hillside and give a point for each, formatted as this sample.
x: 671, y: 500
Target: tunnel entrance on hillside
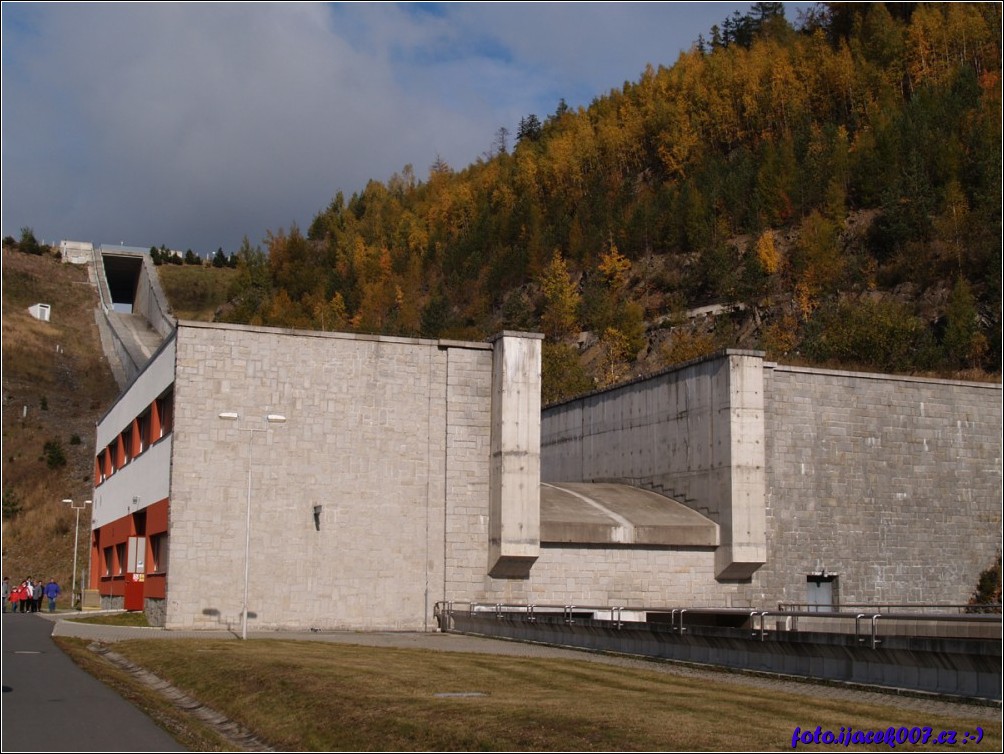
x: 122, y: 274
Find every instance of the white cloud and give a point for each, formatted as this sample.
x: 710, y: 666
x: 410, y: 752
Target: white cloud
x: 195, y: 124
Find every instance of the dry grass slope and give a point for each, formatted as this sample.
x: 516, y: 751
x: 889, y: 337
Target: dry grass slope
x: 195, y: 292
x: 306, y: 696
x: 56, y: 384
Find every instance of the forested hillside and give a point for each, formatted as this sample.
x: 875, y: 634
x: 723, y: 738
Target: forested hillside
x: 834, y: 183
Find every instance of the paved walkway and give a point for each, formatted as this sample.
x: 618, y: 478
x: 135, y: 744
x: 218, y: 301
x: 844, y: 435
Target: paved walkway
x: 50, y: 704
x: 448, y: 642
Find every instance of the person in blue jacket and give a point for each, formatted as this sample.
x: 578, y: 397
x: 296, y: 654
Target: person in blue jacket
x: 52, y: 591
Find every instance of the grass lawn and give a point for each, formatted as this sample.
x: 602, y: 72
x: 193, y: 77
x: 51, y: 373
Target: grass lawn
x: 315, y: 697
x: 195, y: 291
x: 135, y: 618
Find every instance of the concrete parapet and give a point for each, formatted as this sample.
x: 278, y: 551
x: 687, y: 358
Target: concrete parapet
x: 151, y: 301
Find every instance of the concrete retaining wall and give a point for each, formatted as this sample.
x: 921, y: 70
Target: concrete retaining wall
x: 889, y: 485
x: 960, y: 667
x: 126, y: 356
x: 694, y: 433
x: 151, y: 301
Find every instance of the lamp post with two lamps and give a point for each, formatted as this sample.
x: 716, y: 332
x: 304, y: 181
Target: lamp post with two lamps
x: 76, y: 538
x: 269, y: 420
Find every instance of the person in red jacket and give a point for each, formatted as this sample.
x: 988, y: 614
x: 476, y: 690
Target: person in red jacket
x: 17, y: 596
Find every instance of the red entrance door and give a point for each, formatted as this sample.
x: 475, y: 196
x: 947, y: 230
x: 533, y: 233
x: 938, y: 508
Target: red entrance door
x: 135, y: 573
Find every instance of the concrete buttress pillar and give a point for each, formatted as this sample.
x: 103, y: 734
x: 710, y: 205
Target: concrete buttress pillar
x: 514, y: 485
x: 744, y: 515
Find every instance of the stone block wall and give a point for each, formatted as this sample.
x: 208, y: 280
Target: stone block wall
x: 631, y: 577
x: 468, y: 435
x: 485, y: 502
x: 893, y: 483
x: 374, y: 500
x: 389, y: 436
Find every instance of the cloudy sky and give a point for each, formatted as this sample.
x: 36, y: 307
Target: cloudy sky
x: 193, y: 125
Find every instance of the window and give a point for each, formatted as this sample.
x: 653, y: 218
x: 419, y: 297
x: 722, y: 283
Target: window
x: 143, y: 427
x: 165, y: 410
x: 158, y: 553
x: 108, y: 561
x: 120, y: 452
x: 128, y: 448
x: 120, y: 558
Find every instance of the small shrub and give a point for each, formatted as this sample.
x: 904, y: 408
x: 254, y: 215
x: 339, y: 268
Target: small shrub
x: 884, y: 335
x: 28, y: 243
x: 11, y: 504
x: 987, y: 596
x: 686, y: 345
x: 53, y: 453
x: 75, y: 440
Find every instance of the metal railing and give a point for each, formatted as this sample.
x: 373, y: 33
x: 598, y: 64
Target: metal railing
x: 887, y: 607
x: 866, y: 623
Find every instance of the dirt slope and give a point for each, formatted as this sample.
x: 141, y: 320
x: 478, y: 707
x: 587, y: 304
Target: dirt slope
x: 56, y: 384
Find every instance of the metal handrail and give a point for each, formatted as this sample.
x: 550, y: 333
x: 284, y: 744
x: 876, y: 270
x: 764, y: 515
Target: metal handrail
x: 887, y: 606
x: 540, y: 608
x: 757, y: 617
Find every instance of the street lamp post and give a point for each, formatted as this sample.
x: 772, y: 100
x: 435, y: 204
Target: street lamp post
x: 76, y: 538
x: 269, y: 419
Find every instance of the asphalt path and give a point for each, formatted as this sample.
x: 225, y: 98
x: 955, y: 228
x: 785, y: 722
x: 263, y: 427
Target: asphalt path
x: 49, y: 704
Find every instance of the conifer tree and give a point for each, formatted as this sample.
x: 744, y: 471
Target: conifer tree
x: 560, y: 316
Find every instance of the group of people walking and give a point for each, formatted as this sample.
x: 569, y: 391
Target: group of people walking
x: 27, y: 596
